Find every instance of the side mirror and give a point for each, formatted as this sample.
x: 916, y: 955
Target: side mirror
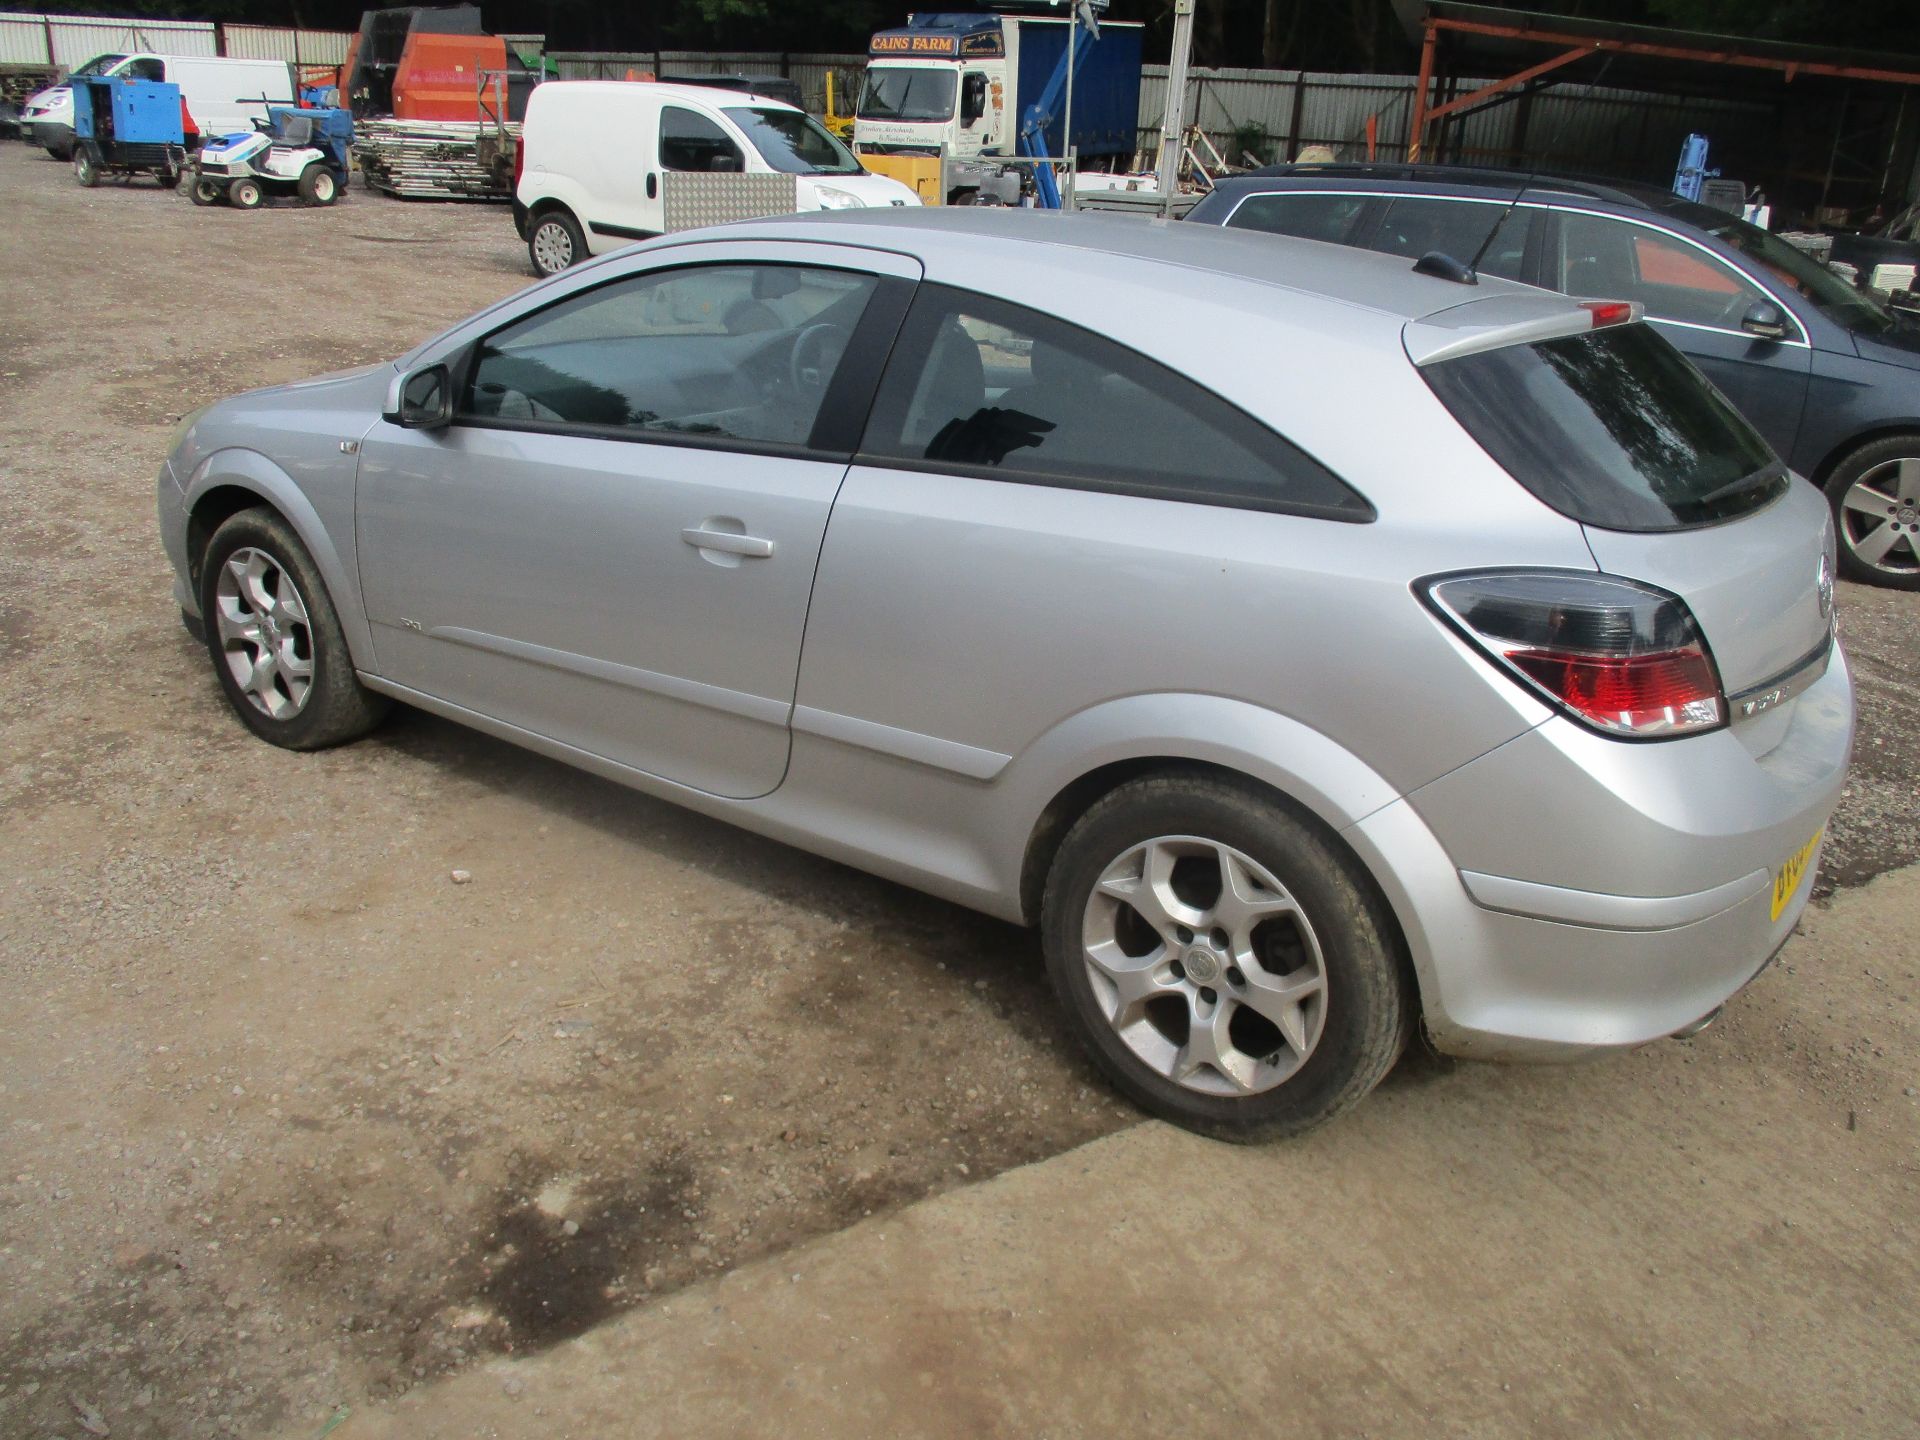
x: 1764, y: 321
x: 973, y: 98
x: 426, y: 399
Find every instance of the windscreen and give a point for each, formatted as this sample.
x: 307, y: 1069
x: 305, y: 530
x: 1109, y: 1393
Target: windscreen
x: 1613, y: 428
x: 894, y: 92
x: 99, y: 65
x: 794, y: 143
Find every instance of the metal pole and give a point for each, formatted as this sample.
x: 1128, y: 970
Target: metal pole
x: 1416, y: 136
x: 1173, y: 121
x: 1066, y: 134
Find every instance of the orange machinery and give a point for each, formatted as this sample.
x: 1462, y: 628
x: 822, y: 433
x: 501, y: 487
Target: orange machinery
x: 420, y: 63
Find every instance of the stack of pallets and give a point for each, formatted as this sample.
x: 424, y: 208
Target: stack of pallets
x: 432, y: 159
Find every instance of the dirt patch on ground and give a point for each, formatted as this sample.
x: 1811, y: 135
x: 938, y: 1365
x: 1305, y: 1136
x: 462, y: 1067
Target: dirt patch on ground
x: 291, y: 1119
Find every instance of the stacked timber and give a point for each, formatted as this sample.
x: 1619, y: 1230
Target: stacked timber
x: 434, y: 159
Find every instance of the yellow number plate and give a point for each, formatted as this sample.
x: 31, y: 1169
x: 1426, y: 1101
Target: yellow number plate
x: 1786, y: 880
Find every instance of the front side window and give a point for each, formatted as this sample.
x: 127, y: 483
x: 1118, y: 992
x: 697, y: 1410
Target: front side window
x: 794, y: 143
x: 980, y: 387
x: 895, y: 92
x: 1302, y: 214
x: 725, y: 352
x: 1460, y: 228
x: 99, y: 65
x: 1613, y: 260
x: 690, y: 141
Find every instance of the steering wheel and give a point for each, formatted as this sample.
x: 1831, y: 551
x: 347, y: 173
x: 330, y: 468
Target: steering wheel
x: 816, y: 353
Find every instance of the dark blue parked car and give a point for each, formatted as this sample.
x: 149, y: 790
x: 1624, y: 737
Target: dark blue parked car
x: 1825, y: 372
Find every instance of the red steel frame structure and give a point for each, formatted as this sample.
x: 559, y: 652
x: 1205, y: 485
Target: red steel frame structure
x: 1673, y: 45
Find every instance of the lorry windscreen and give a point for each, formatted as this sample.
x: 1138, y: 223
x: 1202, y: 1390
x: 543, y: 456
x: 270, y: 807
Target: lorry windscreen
x: 896, y: 92
x: 794, y: 143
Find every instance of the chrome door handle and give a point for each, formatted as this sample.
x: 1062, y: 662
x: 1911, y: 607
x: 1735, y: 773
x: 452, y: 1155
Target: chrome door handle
x: 726, y: 541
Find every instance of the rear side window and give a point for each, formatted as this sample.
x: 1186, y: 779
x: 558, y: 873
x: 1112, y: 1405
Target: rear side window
x: 1459, y: 228
x: 1302, y: 213
x: 1613, y: 428
x: 980, y: 387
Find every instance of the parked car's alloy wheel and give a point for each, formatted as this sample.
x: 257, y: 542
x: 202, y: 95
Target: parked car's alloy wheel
x: 1223, y: 962
x: 554, y: 242
x: 276, y: 642
x: 1876, y: 512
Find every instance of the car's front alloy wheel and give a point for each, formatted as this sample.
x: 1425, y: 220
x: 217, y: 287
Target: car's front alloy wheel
x: 275, y: 639
x: 1226, y: 965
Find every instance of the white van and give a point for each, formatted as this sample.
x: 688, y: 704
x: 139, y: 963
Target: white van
x: 223, y: 96
x: 600, y: 160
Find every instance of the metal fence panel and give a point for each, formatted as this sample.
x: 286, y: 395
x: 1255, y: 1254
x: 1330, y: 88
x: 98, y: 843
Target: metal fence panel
x: 76, y: 41
x: 273, y: 42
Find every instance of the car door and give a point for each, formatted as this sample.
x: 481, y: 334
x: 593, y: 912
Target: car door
x: 612, y: 545
x: 1698, y: 301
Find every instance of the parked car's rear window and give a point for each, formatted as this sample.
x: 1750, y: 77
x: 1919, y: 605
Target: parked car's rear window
x: 1614, y: 428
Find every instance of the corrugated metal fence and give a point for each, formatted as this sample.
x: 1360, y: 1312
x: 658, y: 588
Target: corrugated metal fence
x: 1274, y: 114
x: 61, y: 42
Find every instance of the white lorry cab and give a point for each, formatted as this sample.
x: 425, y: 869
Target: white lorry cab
x: 602, y: 163
x: 223, y: 96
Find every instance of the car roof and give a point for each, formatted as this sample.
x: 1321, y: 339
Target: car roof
x: 971, y: 238
x: 712, y: 95
x: 1471, y: 180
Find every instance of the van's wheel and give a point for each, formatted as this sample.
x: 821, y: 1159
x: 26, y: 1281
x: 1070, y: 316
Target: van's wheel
x: 276, y: 641
x: 1226, y: 966
x: 85, y: 168
x: 317, y: 185
x: 554, y: 243
x: 1875, y: 494
x: 207, y: 192
x: 246, y: 194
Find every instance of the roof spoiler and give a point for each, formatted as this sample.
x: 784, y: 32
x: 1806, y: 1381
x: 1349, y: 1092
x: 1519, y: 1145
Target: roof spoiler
x: 1501, y: 320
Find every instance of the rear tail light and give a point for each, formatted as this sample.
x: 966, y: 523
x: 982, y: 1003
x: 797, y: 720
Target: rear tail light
x: 519, y: 161
x: 1623, y: 658
x: 1609, y: 312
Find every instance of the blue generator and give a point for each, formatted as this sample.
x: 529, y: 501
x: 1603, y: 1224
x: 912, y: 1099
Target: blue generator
x: 127, y: 128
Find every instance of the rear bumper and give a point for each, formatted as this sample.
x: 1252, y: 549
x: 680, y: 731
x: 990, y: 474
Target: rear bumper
x: 1519, y: 959
x: 520, y: 219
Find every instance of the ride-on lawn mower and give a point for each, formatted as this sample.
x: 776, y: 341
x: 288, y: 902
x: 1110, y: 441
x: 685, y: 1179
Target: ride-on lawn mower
x: 294, y: 152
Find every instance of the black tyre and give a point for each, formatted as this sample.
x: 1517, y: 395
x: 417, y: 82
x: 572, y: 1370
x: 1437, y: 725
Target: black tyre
x: 1225, y: 964
x: 61, y: 150
x: 207, y: 192
x: 246, y: 194
x: 1875, y: 494
x: 317, y: 185
x: 86, y: 169
x: 169, y: 179
x: 554, y: 242
x: 275, y: 639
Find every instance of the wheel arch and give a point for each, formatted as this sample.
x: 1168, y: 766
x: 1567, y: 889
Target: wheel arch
x: 1081, y: 794
x: 229, y: 481
x: 1859, y: 440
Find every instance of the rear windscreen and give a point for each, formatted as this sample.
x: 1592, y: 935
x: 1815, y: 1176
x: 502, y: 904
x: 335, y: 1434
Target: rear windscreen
x: 1613, y: 428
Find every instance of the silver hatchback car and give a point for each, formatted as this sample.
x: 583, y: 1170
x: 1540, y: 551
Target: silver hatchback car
x: 1315, y: 650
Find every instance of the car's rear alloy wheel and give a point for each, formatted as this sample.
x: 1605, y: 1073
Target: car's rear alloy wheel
x: 275, y: 640
x: 1226, y: 965
x: 1876, y: 512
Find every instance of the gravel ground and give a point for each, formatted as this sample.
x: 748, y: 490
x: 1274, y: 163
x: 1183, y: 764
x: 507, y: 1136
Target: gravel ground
x: 292, y: 1119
